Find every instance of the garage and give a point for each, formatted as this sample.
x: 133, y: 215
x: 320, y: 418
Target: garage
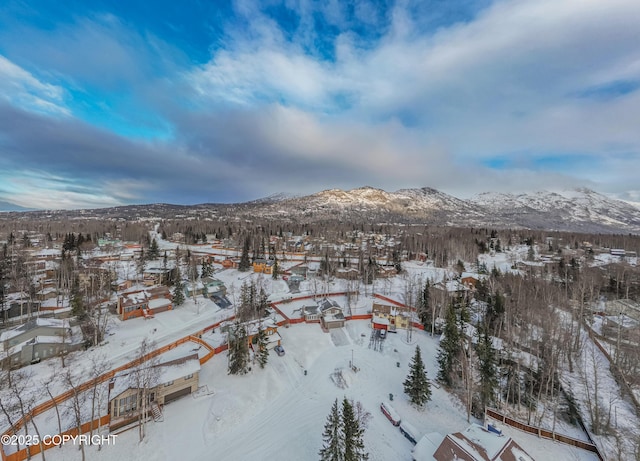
x: 177, y: 394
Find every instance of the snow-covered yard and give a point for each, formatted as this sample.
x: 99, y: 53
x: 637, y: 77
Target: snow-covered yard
x: 279, y: 412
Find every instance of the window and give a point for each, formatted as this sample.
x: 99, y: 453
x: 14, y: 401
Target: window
x: 127, y: 404
x: 188, y: 376
x: 170, y: 383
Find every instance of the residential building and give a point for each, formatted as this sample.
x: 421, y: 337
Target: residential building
x: 144, y: 302
x: 173, y: 379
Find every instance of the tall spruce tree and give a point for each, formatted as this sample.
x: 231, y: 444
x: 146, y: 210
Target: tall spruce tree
x: 153, y: 249
x: 275, y: 270
x: 425, y: 306
x: 238, y: 350
x: 450, y: 348
x: 417, y: 386
x: 244, y: 259
x: 332, y: 436
x: 262, y: 352
x: 353, y: 433
x: 178, y: 288
x: 487, y: 368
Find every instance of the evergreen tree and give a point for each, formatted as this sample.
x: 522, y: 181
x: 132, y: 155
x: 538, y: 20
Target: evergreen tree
x: 77, y: 302
x: 352, y: 432
x: 333, y: 446
x: 425, y: 306
x: 495, y: 310
x: 450, y: 348
x: 178, y: 289
x: 244, y: 259
x: 262, y: 352
x: 263, y: 303
x: 153, y: 249
x: 238, y: 351
x: 207, y: 269
x: 417, y: 386
x: 275, y: 270
x: 487, y: 368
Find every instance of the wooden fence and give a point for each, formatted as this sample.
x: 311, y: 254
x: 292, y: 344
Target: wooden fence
x: 544, y: 433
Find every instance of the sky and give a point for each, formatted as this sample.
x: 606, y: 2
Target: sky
x: 105, y: 103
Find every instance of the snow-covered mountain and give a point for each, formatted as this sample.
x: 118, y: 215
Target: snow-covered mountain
x: 572, y: 210
x: 576, y: 209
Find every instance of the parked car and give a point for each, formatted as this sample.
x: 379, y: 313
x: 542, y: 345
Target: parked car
x: 279, y: 350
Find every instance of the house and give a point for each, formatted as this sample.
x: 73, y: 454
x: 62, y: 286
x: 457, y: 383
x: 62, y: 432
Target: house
x: 38, y: 339
x: 144, y: 302
x: 311, y: 314
x: 618, y: 252
x: 253, y: 327
x: 18, y: 304
x: 263, y: 266
x: 269, y: 327
x: 478, y: 444
x: 230, y: 263
x: 470, y: 279
x: 214, y: 287
x: 156, y: 275
x: 331, y: 315
x: 300, y: 271
x: 173, y: 379
x: 347, y: 273
x: 397, y: 317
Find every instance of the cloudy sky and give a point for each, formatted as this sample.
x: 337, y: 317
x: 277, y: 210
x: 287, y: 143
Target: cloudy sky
x: 109, y: 102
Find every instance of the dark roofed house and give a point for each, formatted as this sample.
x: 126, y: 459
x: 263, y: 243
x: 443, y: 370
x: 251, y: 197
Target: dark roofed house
x: 331, y: 314
x: 478, y: 444
x: 311, y: 313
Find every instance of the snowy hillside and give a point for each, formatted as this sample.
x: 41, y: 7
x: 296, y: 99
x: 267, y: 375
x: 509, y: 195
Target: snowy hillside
x: 578, y: 209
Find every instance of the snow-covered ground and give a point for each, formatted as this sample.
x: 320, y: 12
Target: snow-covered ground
x: 279, y: 412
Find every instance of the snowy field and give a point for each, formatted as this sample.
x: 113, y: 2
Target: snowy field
x: 279, y: 412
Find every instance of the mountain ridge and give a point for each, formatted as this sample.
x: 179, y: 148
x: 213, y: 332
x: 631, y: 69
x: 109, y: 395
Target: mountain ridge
x: 580, y: 209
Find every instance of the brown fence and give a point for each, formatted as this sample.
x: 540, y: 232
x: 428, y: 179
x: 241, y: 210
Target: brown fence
x: 545, y: 433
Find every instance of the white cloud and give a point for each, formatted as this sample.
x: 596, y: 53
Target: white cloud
x: 21, y: 88
x: 505, y: 82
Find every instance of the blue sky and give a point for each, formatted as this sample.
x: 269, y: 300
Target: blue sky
x: 105, y: 103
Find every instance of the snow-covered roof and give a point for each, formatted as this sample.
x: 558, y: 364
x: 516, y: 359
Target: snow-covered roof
x: 484, y: 445
x: 33, y: 323
x: 170, y: 373
x: 427, y: 446
x: 158, y: 303
x: 167, y: 373
x: 380, y: 320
